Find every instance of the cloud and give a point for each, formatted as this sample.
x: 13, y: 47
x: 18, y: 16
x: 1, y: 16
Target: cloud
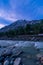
x: 11, y: 10
x: 7, y: 15
x: 27, y: 9
x: 2, y: 25
x: 21, y: 9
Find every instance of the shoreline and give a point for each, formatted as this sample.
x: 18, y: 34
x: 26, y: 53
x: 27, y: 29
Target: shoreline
x: 23, y: 38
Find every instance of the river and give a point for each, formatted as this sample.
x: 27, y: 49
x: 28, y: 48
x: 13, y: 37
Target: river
x: 24, y: 46
x: 21, y: 43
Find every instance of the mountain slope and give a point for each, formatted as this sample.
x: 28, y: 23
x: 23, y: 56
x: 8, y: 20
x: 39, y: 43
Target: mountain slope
x: 18, y: 23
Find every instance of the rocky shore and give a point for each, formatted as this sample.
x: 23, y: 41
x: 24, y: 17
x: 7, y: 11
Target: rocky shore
x: 12, y: 55
x: 24, y: 37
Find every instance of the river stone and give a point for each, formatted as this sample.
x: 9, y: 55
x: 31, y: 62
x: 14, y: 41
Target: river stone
x: 6, y: 62
x: 17, y: 61
x: 7, y: 52
x: 16, y: 51
x: 41, y: 60
x: 12, y: 61
x: 39, y: 56
x: 2, y: 51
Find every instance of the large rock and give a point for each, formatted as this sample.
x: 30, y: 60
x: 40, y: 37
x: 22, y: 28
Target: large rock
x: 17, y: 61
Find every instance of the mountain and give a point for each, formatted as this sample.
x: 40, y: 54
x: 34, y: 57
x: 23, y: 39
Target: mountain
x: 18, y: 23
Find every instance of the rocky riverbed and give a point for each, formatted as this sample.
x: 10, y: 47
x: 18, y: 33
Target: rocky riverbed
x: 23, y: 38
x: 11, y: 55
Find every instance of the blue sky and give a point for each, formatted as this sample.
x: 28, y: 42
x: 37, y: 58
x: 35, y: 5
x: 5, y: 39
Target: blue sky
x: 12, y: 10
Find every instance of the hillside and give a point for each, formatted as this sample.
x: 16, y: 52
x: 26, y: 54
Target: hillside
x: 23, y: 30
x: 17, y: 24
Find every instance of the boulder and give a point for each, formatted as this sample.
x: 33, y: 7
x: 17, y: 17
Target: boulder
x: 17, y: 61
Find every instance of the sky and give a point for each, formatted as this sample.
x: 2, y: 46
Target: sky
x: 12, y: 10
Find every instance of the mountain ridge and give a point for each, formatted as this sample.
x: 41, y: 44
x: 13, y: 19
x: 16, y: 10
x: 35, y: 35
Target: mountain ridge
x: 18, y: 23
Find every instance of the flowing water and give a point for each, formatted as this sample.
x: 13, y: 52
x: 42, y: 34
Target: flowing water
x: 21, y: 43
x: 26, y: 47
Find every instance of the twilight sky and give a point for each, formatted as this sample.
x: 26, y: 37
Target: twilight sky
x: 12, y: 10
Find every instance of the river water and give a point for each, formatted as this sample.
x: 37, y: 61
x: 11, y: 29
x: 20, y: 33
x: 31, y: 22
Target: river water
x: 25, y: 47
x: 21, y: 43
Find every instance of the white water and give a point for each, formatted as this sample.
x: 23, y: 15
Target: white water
x: 21, y: 43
